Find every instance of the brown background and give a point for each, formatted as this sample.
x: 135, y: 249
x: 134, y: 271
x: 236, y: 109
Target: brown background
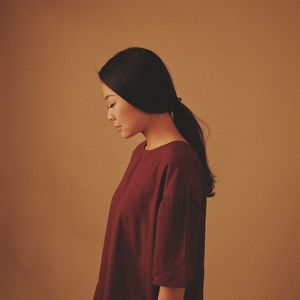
x: 233, y: 63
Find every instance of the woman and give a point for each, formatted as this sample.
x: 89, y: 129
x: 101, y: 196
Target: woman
x: 155, y: 235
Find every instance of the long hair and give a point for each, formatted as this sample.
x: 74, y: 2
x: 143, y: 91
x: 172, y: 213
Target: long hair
x: 140, y: 77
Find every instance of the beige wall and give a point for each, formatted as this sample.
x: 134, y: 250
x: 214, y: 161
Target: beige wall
x: 233, y: 64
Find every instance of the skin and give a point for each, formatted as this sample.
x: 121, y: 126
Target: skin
x: 166, y: 293
x: 157, y: 128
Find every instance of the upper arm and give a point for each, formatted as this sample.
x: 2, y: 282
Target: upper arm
x: 167, y: 293
x: 177, y: 229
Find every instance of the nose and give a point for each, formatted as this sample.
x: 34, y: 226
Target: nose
x: 109, y: 116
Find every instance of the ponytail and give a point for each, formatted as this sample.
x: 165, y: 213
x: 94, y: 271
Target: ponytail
x: 187, y: 125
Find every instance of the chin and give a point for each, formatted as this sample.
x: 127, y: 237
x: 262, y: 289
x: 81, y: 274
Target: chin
x: 128, y: 135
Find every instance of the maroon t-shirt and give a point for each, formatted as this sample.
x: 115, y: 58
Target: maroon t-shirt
x: 155, y: 232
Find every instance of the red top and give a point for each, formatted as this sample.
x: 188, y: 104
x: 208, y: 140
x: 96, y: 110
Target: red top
x: 155, y: 231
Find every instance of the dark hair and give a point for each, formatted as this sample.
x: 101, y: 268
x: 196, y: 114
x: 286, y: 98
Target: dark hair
x: 140, y: 77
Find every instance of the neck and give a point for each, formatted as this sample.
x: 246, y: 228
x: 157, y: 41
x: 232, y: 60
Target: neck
x: 160, y: 130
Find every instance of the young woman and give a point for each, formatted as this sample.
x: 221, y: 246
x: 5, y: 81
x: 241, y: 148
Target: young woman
x: 155, y: 236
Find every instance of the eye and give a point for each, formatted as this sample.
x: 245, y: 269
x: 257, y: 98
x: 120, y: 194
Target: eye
x: 110, y: 106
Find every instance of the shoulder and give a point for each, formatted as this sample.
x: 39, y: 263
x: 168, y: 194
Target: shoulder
x: 183, y: 173
x: 182, y: 167
x: 176, y: 154
x: 180, y: 155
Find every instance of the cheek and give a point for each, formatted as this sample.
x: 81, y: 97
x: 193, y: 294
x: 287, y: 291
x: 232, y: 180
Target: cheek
x: 131, y: 117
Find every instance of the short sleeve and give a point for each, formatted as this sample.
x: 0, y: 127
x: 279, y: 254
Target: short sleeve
x: 177, y: 228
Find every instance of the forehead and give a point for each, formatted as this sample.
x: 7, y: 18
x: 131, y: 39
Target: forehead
x: 109, y: 93
x: 106, y: 90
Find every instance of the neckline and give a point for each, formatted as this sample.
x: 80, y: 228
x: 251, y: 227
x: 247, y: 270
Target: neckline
x: 161, y: 146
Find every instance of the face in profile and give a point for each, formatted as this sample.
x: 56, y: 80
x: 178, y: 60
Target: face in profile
x: 126, y: 118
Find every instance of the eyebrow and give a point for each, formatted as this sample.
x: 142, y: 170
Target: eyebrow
x: 108, y: 96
